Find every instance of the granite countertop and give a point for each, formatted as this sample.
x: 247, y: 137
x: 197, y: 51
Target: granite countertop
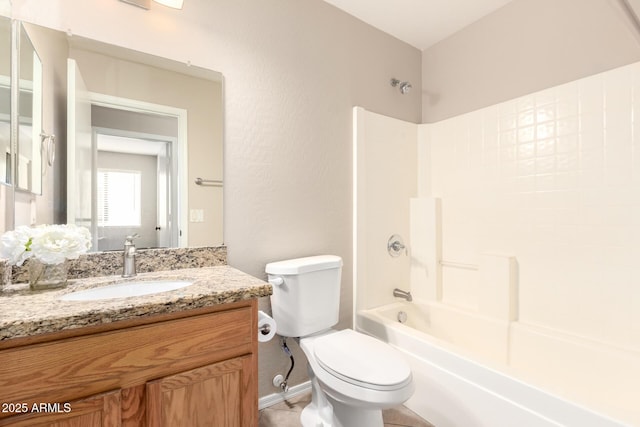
x: 25, y: 313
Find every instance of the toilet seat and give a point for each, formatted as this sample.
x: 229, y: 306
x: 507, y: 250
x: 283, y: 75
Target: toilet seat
x: 362, y: 360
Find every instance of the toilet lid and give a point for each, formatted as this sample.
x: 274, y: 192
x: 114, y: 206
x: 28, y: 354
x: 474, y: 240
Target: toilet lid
x: 362, y: 360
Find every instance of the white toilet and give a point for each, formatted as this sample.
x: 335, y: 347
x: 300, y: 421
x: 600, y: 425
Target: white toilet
x: 353, y: 376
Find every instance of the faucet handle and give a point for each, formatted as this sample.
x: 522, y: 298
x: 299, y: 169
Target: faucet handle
x: 395, y: 246
x: 131, y: 238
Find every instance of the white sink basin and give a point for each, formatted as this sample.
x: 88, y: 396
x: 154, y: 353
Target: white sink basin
x: 127, y: 289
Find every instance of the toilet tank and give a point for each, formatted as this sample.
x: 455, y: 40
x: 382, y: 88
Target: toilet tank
x: 308, y: 299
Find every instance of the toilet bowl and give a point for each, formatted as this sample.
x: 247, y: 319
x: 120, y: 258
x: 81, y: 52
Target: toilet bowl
x: 353, y: 376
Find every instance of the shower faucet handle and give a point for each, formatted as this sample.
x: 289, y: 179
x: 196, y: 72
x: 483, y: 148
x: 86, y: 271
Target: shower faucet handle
x: 395, y: 246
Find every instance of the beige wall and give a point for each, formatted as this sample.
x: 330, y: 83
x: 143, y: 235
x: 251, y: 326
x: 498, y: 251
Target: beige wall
x: 293, y: 71
x: 523, y: 47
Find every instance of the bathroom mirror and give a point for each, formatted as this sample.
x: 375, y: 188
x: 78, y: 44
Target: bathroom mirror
x: 5, y: 100
x: 140, y: 130
x: 28, y: 160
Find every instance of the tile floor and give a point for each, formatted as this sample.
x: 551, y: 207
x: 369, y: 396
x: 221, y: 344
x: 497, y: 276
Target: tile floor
x: 287, y: 414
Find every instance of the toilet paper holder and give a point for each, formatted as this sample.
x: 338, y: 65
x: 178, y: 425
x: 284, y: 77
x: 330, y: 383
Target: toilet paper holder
x: 265, y: 329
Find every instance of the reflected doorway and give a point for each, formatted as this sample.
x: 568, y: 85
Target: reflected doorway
x: 90, y: 113
x: 133, y: 178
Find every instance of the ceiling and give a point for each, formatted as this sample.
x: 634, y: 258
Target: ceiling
x: 420, y: 23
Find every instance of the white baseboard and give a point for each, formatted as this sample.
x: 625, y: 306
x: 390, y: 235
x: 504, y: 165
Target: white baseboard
x: 272, y: 399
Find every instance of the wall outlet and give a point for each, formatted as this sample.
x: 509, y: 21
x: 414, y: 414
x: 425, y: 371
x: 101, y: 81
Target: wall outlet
x: 196, y: 215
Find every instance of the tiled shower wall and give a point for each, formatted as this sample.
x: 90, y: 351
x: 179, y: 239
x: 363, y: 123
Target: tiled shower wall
x: 552, y: 178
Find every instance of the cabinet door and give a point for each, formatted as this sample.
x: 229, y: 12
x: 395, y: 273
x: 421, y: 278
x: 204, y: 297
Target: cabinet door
x: 217, y: 395
x: 102, y: 410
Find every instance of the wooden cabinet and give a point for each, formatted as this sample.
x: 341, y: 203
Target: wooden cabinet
x: 207, y: 396
x: 101, y: 410
x: 188, y: 369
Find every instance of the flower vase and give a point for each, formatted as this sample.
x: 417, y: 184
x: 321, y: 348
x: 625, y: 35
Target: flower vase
x: 47, y: 276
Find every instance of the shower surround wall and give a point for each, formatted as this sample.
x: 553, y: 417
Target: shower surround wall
x: 385, y: 180
x: 554, y: 179
x: 552, y: 182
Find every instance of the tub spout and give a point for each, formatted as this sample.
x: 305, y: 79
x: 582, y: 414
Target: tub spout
x: 402, y: 294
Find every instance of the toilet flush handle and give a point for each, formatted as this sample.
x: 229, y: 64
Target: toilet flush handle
x: 276, y: 281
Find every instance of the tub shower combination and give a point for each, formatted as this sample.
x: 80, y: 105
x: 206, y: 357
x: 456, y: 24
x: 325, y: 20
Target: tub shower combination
x: 460, y: 359
x: 501, y: 339
x: 482, y: 367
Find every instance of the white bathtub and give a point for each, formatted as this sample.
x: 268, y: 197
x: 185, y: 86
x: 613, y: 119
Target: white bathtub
x: 453, y: 389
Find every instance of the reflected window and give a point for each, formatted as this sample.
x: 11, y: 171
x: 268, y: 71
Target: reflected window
x: 119, y: 198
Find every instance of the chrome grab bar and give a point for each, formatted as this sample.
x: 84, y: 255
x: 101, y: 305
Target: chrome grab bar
x: 209, y: 182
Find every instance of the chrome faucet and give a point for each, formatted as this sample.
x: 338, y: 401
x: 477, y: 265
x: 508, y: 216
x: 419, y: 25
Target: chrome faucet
x: 402, y: 294
x: 129, y: 256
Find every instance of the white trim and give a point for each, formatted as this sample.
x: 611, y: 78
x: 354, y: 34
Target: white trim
x: 180, y: 114
x: 275, y: 398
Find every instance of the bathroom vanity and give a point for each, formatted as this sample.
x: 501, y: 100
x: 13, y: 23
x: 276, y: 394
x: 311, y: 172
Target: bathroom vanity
x: 186, y: 357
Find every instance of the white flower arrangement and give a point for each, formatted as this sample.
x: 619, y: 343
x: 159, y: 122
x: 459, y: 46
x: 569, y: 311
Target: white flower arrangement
x: 49, y: 244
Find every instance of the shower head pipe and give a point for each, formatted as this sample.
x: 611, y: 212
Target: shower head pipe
x: 404, y: 87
